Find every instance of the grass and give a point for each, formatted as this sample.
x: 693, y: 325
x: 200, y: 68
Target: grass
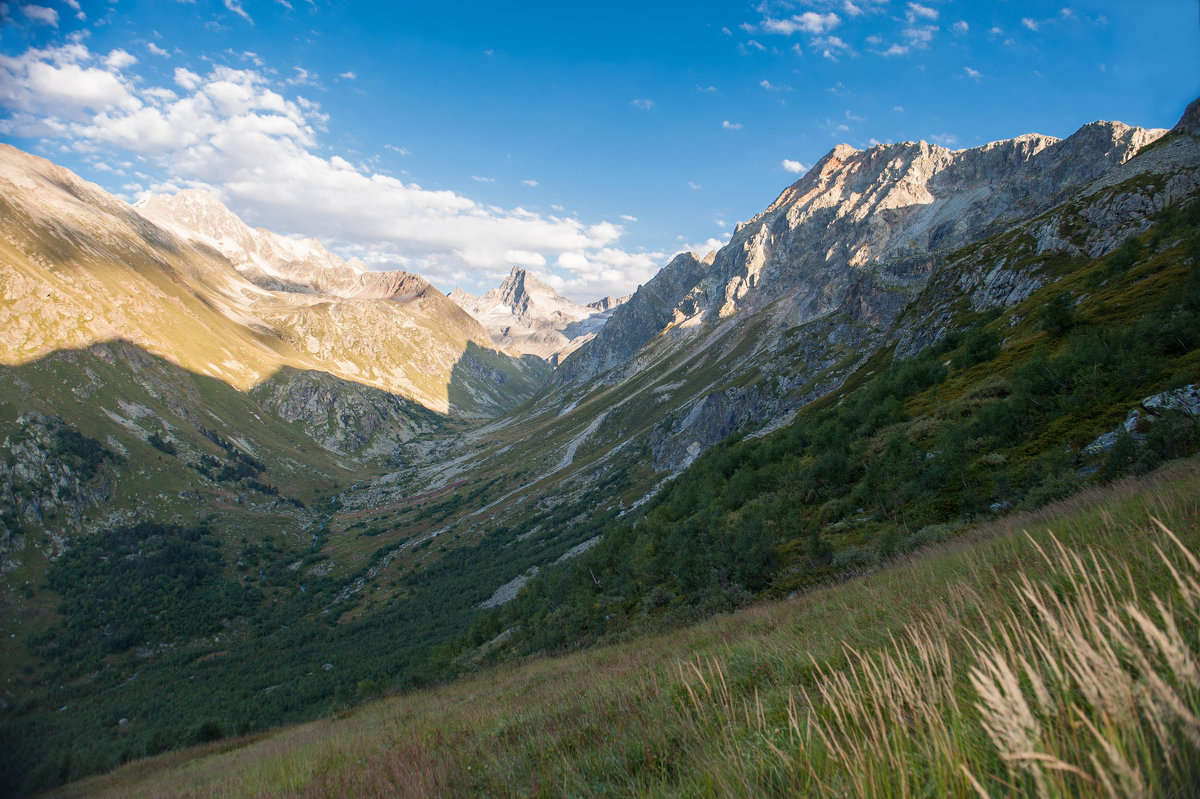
x: 1014, y: 661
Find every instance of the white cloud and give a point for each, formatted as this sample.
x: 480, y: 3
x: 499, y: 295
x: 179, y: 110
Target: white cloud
x: 1032, y: 24
x: 832, y: 46
x: 303, y: 77
x: 348, y: 75
x: 628, y: 218
x: 794, y: 167
x: 757, y: 46
x: 924, y: 12
x: 479, y: 179
x: 156, y: 50
x: 694, y: 186
x: 920, y: 37
x: 530, y: 182
x: 117, y: 60
x: 236, y: 7
x: 973, y: 73
x: 708, y: 245
x: 899, y: 109
x: 727, y: 125
x: 186, y: 78
x: 808, y: 22
x: 235, y: 132
x: 944, y: 139
x: 642, y: 103
x: 961, y: 26
x: 396, y: 150
x: 851, y: 9
x: 706, y: 89
x: 40, y: 15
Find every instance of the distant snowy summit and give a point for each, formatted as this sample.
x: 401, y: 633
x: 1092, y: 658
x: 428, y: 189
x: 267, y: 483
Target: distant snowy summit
x: 526, y: 316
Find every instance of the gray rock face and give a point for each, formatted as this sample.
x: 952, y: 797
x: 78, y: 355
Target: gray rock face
x: 344, y: 417
x: 38, y: 483
x: 806, y: 291
x: 670, y: 295
x: 861, y: 231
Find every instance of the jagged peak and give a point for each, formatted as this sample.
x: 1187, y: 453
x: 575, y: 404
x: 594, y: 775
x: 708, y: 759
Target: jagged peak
x: 1189, y: 123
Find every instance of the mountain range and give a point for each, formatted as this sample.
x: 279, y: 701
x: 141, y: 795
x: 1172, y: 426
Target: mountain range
x: 365, y: 482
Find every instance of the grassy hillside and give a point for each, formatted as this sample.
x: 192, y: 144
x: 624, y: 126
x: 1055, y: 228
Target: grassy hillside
x: 1007, y: 663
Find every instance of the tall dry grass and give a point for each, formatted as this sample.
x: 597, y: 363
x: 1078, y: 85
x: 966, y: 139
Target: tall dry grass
x: 1083, y: 686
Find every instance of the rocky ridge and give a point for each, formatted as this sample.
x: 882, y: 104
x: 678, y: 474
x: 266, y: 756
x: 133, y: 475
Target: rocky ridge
x: 526, y: 316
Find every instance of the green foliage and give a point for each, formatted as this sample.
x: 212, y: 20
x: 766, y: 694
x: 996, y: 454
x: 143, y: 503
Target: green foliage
x: 141, y: 585
x: 1057, y: 316
x: 1124, y: 256
x: 85, y: 454
x: 161, y: 444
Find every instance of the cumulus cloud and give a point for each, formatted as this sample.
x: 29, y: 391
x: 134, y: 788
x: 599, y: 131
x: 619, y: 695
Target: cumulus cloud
x: 961, y: 26
x: 642, y: 103
x: 1030, y: 23
x: 530, y: 182
x: 156, y: 50
x: 727, y: 125
x: 117, y: 60
x: 972, y: 73
x: 794, y: 167
x: 235, y: 132
x: 40, y: 15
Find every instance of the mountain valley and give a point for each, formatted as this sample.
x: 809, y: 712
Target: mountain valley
x: 322, y: 484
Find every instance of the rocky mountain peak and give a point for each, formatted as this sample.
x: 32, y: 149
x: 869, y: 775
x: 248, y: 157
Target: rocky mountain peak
x: 528, y: 316
x: 860, y: 224
x: 1190, y: 121
x: 268, y: 259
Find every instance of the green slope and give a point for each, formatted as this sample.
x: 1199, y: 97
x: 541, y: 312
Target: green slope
x: 895, y: 684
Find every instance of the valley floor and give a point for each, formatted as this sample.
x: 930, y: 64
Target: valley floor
x: 1005, y: 663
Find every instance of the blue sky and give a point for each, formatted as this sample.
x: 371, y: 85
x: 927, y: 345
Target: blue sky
x: 586, y: 142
